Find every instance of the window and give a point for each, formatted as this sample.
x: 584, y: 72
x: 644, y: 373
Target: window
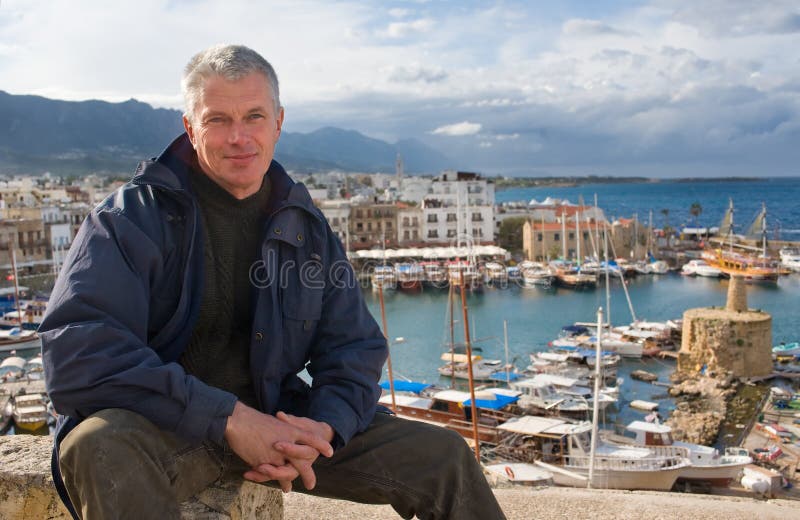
x: 477, y: 217
x: 359, y: 226
x: 557, y: 236
x: 572, y: 236
x: 432, y: 233
x: 414, y: 221
x: 388, y: 224
x: 586, y: 235
x: 335, y: 221
x: 369, y: 226
x: 405, y: 235
x: 451, y: 217
x: 359, y: 214
x: 432, y: 218
x: 451, y: 233
x: 539, y: 237
x: 405, y: 221
x: 415, y: 235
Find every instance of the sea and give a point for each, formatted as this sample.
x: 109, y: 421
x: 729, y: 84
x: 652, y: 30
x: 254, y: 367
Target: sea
x: 418, y: 324
x: 626, y: 200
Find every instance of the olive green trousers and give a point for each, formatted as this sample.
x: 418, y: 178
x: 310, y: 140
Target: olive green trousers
x: 117, y: 464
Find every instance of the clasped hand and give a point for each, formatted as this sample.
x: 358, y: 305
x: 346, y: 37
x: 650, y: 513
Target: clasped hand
x: 280, y: 447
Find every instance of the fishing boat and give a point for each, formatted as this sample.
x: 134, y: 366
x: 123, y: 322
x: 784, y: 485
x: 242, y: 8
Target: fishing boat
x: 18, y: 339
x: 383, y: 277
x: 563, y: 447
x: 707, y: 464
x: 409, y: 277
x: 30, y: 411
x: 451, y: 409
x: 434, y: 275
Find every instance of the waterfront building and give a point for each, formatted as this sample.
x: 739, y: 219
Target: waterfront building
x: 338, y: 214
x: 459, y: 209
x: 372, y: 224
x: 409, y: 221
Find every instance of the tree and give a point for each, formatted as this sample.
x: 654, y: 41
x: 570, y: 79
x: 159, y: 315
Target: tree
x: 665, y: 212
x: 696, y: 209
x: 510, y: 234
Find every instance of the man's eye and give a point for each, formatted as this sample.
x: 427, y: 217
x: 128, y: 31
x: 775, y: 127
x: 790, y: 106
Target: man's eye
x: 254, y: 117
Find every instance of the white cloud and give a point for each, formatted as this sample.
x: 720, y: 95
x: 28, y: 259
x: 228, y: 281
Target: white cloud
x: 399, y: 13
x: 458, y: 129
x: 406, y: 29
x: 582, y: 27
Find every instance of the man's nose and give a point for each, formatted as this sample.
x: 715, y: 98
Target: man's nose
x: 238, y: 133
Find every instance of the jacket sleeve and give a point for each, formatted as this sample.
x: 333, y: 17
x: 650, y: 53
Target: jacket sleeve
x: 94, y: 336
x: 348, y: 353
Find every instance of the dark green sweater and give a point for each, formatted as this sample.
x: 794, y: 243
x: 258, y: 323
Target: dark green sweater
x: 219, y: 350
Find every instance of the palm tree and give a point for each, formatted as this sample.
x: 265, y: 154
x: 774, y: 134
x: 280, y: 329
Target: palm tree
x: 696, y: 209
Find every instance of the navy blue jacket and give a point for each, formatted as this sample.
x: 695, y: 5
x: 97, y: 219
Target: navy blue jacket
x: 127, y: 299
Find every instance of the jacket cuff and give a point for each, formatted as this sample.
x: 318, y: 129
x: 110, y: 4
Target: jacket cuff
x: 207, y: 413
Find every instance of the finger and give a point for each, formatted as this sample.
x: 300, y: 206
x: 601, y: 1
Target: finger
x: 316, y: 442
x: 296, y: 451
x: 306, y: 473
x: 286, y: 485
x: 272, y: 472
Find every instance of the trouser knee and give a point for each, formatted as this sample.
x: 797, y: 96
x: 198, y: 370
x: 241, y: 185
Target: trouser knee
x: 104, y: 436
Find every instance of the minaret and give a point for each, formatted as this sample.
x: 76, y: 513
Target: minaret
x: 398, y: 167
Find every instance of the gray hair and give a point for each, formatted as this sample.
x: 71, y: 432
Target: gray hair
x: 232, y: 62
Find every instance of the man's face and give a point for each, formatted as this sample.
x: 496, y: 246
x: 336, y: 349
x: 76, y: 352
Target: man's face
x: 234, y: 131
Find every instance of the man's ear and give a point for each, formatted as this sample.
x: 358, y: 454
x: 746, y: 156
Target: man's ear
x: 280, y: 122
x: 189, y: 129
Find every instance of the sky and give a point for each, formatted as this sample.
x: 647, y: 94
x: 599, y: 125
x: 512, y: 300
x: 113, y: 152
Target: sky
x: 652, y: 88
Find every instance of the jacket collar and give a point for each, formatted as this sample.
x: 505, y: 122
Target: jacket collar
x: 171, y: 170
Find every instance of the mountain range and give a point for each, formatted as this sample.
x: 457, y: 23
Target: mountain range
x: 38, y: 134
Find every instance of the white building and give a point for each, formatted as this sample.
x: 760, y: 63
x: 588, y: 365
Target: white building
x: 458, y: 209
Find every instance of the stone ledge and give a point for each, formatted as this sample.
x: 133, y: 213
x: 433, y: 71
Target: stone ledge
x: 27, y: 491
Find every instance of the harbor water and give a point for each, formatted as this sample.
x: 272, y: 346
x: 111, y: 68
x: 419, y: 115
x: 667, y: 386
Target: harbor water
x: 535, y: 317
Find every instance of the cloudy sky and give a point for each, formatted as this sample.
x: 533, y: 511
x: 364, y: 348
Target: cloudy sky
x: 654, y: 88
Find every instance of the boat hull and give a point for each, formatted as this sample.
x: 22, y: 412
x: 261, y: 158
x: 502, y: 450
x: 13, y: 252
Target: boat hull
x: 605, y: 478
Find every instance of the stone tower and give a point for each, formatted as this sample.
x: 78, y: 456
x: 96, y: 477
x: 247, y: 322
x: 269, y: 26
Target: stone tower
x: 734, y: 339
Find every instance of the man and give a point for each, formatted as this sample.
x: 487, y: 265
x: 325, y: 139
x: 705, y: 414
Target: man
x: 191, y: 300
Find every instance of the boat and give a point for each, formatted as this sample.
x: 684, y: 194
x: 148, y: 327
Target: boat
x: 450, y: 409
x: 644, y: 375
x: 12, y: 368
x: 640, y: 404
x: 699, y: 267
x: 5, y: 409
x: 790, y: 258
x: 19, y: 339
x: 563, y: 447
x: 34, y: 368
x: 383, y: 277
x: 538, y: 396
x: 30, y: 411
x: 535, y: 274
x: 482, y: 369
x: 569, y: 275
x: 464, y: 272
x: 520, y: 473
x: 707, y: 464
x: 496, y: 274
x: 409, y: 277
x: 787, y: 349
x: 732, y: 257
x: 434, y: 275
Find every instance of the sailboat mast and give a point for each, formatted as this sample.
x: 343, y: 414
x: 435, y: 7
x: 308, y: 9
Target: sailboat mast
x: 473, y: 405
x: 563, y: 235
x: 608, y: 285
x: 596, y: 404
x: 764, y: 230
x: 577, y: 239
x: 388, y: 344
x: 505, y: 347
x: 16, y: 282
x: 450, y: 300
